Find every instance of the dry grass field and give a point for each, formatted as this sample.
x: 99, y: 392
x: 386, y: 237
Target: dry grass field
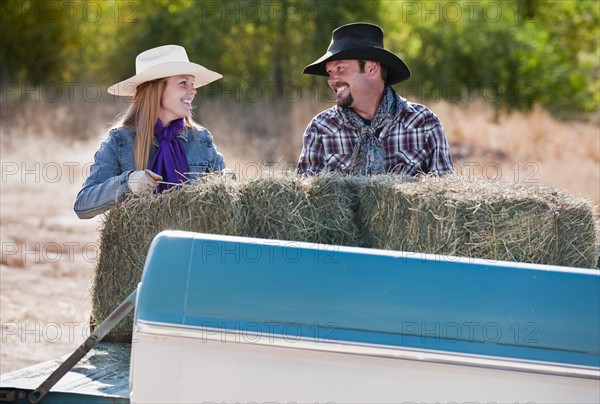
x: 48, y: 255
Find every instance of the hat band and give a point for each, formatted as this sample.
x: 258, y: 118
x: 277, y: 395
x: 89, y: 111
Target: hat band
x: 349, y: 43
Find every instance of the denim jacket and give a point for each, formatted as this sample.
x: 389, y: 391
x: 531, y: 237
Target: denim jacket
x: 114, y: 161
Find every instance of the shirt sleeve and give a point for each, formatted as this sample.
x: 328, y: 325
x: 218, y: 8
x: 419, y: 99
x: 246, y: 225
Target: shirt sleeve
x: 441, y: 160
x: 312, y: 156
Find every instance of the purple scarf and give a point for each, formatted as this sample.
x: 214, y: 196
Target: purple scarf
x: 169, y: 161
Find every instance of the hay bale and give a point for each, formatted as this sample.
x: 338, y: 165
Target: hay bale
x: 333, y: 200
x: 453, y: 215
x: 296, y: 208
x: 401, y: 214
x: 504, y: 222
x: 577, y: 239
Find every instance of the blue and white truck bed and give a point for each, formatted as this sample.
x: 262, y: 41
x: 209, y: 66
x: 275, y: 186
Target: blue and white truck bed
x: 232, y: 319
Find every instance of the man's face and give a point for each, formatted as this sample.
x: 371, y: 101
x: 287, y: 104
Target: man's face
x: 346, y: 80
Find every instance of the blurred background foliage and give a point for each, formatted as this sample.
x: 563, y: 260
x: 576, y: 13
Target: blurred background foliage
x: 513, y: 53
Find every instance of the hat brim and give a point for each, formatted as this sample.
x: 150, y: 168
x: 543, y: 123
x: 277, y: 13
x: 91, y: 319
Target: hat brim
x: 202, y: 76
x: 397, y: 70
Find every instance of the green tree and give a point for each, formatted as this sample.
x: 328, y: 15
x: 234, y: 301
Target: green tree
x: 512, y: 53
x: 32, y: 36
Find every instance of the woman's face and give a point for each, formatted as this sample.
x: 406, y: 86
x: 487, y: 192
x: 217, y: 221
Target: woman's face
x: 176, y: 99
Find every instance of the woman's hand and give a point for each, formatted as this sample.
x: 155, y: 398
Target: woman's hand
x: 143, y: 181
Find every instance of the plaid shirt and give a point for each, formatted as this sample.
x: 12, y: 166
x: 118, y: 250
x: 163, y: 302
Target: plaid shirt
x: 414, y: 143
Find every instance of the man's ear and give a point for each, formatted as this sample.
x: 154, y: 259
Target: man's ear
x: 372, y: 67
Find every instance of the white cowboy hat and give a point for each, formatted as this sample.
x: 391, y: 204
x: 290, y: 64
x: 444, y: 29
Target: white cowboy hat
x: 163, y: 61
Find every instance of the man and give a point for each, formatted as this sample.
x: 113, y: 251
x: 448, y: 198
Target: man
x: 372, y: 130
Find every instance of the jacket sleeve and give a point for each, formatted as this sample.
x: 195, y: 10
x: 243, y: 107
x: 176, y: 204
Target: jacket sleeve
x: 106, y: 184
x: 217, y: 162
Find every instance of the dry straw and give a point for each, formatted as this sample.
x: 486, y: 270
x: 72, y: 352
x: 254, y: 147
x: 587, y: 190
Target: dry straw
x: 480, y: 219
x: 450, y: 215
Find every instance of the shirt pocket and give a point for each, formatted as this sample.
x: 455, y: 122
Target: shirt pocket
x: 337, y: 162
x: 408, y: 162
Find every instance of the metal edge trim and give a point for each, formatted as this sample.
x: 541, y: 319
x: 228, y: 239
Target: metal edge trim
x: 362, y: 349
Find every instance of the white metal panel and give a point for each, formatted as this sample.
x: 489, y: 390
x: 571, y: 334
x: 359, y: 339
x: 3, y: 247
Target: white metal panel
x: 195, y: 366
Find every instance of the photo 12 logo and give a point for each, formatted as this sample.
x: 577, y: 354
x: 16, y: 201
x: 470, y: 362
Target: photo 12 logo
x: 19, y: 254
x: 39, y: 332
x: 50, y: 172
x: 254, y: 333
x: 53, y: 92
x: 469, y: 11
x: 490, y: 332
x: 70, y: 11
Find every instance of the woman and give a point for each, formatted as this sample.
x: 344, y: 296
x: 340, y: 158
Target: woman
x: 157, y: 145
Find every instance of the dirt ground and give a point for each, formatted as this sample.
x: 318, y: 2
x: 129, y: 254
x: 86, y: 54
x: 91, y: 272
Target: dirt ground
x: 48, y: 255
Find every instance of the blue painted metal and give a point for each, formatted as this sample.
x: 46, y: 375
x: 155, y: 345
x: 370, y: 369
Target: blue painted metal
x: 75, y: 398
x: 101, y: 377
x: 333, y: 293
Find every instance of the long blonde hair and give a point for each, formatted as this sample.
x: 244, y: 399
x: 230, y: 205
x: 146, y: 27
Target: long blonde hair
x: 141, y: 117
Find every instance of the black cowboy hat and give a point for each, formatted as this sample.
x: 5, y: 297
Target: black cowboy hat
x: 360, y: 41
